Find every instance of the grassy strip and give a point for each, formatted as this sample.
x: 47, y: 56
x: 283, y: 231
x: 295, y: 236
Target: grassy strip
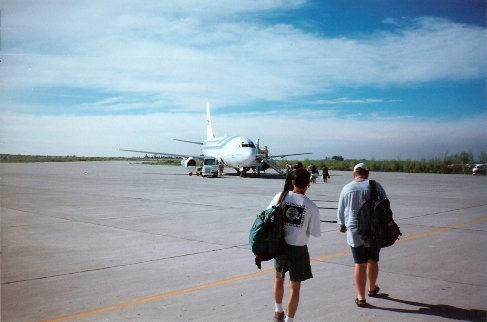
x: 446, y: 165
x: 10, y: 158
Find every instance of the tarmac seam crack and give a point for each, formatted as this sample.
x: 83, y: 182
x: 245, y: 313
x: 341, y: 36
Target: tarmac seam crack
x: 117, y: 266
x: 127, y: 198
x: 440, y: 212
x: 441, y: 227
x: 383, y: 271
x: 435, y: 279
x: 67, y: 220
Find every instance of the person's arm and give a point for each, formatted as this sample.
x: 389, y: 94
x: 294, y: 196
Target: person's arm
x: 274, y: 201
x: 341, y: 214
x: 381, y: 191
x: 315, y: 224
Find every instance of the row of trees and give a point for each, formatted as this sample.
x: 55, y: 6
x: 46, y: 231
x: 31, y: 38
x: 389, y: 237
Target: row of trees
x: 457, y: 163
x: 21, y: 158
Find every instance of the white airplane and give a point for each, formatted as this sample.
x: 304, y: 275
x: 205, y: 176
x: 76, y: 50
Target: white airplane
x: 236, y: 152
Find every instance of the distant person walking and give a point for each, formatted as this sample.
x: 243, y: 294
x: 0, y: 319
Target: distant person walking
x: 314, y: 173
x: 289, y: 167
x: 302, y: 219
x: 325, y: 173
x: 366, y: 258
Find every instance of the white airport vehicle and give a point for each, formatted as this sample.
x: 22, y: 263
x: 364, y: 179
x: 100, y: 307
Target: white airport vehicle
x: 209, y: 168
x: 479, y: 169
x: 237, y: 152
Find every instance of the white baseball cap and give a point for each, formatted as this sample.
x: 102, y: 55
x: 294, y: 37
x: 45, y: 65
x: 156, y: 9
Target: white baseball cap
x: 359, y: 166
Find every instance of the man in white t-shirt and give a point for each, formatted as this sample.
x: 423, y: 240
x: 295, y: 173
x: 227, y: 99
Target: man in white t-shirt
x: 302, y: 219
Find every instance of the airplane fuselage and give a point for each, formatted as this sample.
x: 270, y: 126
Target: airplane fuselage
x: 234, y: 151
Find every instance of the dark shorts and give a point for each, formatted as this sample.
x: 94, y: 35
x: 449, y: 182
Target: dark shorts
x: 362, y: 254
x: 294, y: 259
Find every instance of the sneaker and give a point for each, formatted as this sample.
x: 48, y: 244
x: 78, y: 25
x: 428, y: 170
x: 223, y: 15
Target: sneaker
x: 279, y: 316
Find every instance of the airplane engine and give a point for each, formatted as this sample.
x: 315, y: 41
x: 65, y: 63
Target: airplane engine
x: 189, y: 164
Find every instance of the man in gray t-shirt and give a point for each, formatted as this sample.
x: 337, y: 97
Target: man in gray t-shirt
x: 366, y: 258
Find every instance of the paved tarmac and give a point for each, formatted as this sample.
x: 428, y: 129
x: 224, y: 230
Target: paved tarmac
x: 115, y: 241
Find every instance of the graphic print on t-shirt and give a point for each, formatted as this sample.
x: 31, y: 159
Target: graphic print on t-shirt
x: 294, y: 215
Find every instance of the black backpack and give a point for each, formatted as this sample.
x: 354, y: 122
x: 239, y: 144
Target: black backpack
x: 375, y: 223
x: 266, y: 237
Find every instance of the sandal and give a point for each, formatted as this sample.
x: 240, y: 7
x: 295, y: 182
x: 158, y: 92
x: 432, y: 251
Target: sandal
x: 374, y: 291
x: 360, y: 303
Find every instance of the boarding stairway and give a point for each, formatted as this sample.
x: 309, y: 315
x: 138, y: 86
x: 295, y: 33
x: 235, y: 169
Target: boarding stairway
x: 274, y: 166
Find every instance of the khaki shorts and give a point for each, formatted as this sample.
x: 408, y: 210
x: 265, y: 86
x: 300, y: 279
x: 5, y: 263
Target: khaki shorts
x: 294, y: 259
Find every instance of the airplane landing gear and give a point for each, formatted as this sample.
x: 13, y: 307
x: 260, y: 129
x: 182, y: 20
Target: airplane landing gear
x: 242, y: 172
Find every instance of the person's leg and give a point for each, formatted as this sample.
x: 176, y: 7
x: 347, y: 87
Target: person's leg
x: 278, y: 288
x: 360, y: 277
x: 372, y: 273
x: 292, y: 304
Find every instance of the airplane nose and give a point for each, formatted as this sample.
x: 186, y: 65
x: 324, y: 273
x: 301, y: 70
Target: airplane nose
x: 250, y: 156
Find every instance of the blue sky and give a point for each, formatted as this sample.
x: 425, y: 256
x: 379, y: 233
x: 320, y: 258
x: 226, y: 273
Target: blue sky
x: 381, y: 79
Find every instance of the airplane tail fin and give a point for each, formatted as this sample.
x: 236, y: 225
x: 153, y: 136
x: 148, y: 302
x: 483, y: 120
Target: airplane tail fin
x: 209, y: 128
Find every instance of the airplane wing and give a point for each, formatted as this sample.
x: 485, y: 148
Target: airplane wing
x: 187, y: 141
x: 182, y: 156
x: 287, y: 155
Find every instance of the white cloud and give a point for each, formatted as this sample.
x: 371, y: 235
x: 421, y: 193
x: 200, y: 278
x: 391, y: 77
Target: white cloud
x: 184, y: 54
x: 301, y: 131
x: 346, y: 100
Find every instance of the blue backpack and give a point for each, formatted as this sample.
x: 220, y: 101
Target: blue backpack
x: 266, y: 237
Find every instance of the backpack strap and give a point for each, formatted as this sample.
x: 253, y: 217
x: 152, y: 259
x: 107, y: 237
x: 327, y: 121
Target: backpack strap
x: 283, y: 195
x: 373, y: 190
x: 282, y: 240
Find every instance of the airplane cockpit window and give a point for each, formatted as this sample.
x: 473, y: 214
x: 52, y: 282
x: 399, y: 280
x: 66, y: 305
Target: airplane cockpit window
x: 247, y: 145
x: 209, y: 161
